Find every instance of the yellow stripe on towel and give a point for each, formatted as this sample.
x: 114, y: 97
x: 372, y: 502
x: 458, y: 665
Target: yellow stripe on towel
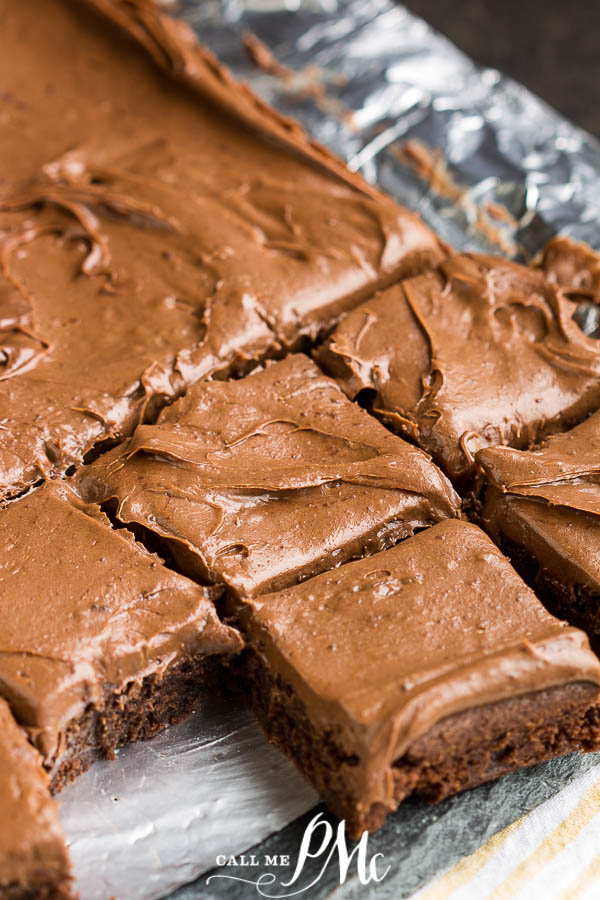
x: 580, y: 816
x: 468, y: 867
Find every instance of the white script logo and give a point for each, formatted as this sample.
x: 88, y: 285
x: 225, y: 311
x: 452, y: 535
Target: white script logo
x: 330, y: 844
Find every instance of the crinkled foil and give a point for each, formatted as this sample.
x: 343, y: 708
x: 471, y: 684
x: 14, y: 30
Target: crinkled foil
x: 488, y: 166
x: 160, y: 814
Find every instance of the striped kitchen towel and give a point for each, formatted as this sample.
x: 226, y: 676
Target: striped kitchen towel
x: 553, y: 853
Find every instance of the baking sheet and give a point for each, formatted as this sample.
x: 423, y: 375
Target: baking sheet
x: 393, y: 98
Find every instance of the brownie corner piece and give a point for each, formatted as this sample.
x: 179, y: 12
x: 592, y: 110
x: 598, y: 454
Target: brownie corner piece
x: 33, y: 858
x: 99, y: 642
x: 542, y: 507
x: 428, y: 668
x: 261, y: 482
x: 481, y: 351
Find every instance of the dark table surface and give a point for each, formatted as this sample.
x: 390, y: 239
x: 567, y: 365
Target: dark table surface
x: 552, y: 47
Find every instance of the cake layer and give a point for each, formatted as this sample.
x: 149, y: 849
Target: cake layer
x: 153, y: 232
x: 427, y: 668
x: 481, y: 352
x: 33, y: 857
x: 543, y: 507
x: 268, y: 480
x: 99, y: 642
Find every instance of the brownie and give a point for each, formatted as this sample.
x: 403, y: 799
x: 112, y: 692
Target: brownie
x: 573, y: 266
x: 99, y: 642
x: 264, y: 481
x: 154, y: 232
x: 426, y: 669
x: 543, y: 508
x: 33, y: 859
x: 480, y: 352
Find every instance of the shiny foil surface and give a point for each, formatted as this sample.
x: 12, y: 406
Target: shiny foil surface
x: 488, y: 166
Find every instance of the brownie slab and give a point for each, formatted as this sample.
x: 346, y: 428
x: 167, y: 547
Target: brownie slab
x: 99, y: 642
x: 481, y: 352
x: 428, y: 668
x: 33, y: 859
x: 268, y: 480
x: 153, y: 232
x: 543, y: 508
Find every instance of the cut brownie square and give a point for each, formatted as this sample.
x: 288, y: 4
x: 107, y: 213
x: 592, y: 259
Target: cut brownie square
x: 428, y: 668
x: 268, y: 480
x: 33, y: 858
x: 149, y: 236
x: 481, y: 352
x: 543, y: 508
x: 99, y: 642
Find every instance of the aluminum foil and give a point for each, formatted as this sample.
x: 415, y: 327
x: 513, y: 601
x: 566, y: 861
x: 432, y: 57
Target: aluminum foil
x: 488, y: 166
x: 162, y: 813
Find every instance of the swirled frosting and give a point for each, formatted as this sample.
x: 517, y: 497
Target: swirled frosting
x: 260, y: 482
x: 480, y: 352
x: 158, y: 222
x: 548, y: 502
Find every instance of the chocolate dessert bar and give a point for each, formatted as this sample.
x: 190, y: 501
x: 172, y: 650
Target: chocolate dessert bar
x: 428, y: 668
x: 480, y: 352
x: 264, y: 481
x: 33, y: 857
x: 154, y: 232
x: 542, y: 507
x: 99, y: 642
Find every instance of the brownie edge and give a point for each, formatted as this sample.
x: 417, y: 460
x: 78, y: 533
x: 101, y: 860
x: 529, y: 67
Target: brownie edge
x: 460, y: 752
x: 112, y: 652
x: 34, y: 863
x: 427, y: 668
x: 136, y: 713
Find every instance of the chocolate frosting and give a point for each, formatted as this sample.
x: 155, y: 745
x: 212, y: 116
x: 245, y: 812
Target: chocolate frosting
x: 548, y: 501
x: 158, y: 223
x: 384, y: 648
x: 31, y: 837
x: 83, y: 607
x: 483, y: 351
x: 260, y: 482
x: 573, y: 266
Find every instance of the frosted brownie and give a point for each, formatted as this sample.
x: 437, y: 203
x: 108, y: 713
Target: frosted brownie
x: 482, y: 351
x: 428, y: 668
x: 99, y: 642
x: 543, y: 508
x: 153, y: 232
x: 264, y: 481
x: 33, y: 858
